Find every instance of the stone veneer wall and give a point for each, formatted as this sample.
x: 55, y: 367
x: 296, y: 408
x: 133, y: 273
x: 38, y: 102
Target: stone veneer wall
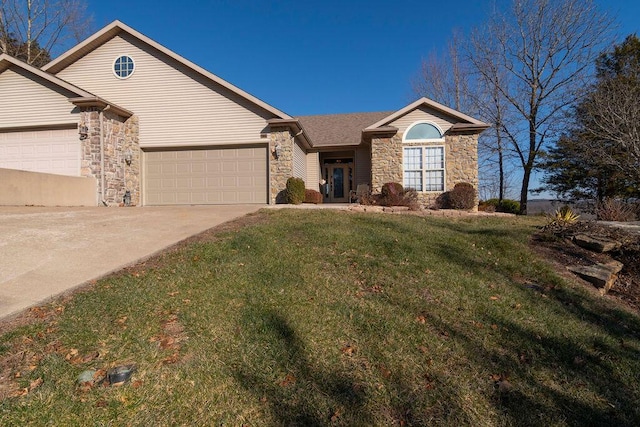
x: 386, y: 161
x: 280, y: 169
x: 461, y: 162
x: 120, y: 135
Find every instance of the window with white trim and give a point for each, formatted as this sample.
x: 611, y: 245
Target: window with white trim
x: 423, y: 163
x: 123, y: 66
x: 424, y: 168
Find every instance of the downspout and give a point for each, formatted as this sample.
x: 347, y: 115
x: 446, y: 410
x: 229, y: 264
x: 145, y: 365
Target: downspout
x: 102, y: 178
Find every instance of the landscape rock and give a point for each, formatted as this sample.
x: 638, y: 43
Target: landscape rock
x: 596, y: 243
x: 603, y: 276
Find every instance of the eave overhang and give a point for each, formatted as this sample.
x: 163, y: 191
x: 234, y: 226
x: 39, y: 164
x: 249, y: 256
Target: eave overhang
x: 97, y: 102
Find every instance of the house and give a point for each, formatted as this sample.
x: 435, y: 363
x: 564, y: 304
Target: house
x: 123, y: 110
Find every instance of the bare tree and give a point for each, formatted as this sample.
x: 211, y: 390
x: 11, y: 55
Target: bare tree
x: 450, y: 79
x: 613, y: 117
x: 537, y: 55
x: 32, y: 30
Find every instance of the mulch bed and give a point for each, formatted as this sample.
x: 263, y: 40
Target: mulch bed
x: 555, y: 244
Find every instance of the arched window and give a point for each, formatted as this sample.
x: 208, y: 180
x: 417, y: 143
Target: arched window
x: 423, y: 131
x: 424, y: 157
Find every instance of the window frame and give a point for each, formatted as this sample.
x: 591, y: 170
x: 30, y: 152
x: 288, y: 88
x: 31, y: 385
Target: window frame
x: 420, y: 141
x: 423, y: 170
x: 115, y: 61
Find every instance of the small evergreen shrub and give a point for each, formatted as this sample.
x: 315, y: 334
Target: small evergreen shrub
x: 295, y: 191
x: 463, y: 196
x: 563, y: 217
x: 494, y: 205
x: 312, y: 196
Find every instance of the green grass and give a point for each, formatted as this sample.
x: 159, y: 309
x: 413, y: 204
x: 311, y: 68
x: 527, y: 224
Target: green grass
x: 329, y: 318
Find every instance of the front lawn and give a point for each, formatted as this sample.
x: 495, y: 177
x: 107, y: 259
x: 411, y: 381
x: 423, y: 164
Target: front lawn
x: 332, y: 318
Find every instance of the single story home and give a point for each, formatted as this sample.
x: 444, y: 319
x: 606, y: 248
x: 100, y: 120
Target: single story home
x: 142, y: 121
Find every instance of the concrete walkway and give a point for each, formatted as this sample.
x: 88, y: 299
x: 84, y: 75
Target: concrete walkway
x: 45, y: 252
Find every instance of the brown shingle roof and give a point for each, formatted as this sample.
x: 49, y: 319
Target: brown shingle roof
x: 339, y: 129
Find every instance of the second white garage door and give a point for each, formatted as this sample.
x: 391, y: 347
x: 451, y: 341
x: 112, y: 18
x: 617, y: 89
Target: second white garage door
x: 48, y: 151
x: 205, y: 177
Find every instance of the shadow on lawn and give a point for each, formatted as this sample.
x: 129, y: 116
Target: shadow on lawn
x: 306, y: 396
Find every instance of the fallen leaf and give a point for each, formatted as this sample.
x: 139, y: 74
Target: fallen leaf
x: 348, y: 350
x: 494, y: 298
x: 35, y: 384
x: 173, y: 294
x: 385, y: 372
x: 288, y: 380
x: 421, y: 319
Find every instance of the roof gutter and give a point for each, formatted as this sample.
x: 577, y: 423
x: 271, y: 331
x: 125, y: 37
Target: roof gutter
x: 296, y: 127
x: 470, y: 127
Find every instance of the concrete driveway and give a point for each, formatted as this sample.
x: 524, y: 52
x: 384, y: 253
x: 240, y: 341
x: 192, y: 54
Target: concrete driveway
x: 47, y: 251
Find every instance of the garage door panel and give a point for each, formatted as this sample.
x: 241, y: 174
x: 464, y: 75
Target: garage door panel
x: 214, y: 176
x: 47, y: 151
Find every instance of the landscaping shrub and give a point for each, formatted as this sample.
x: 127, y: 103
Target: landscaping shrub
x: 463, y: 196
x: 563, y: 217
x: 616, y: 210
x: 494, y: 205
x: 295, y: 191
x: 484, y: 206
x: 312, y: 196
x: 393, y: 194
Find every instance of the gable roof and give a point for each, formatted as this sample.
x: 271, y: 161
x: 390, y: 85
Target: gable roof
x: 338, y: 129
x: 468, y: 122
x: 7, y: 62
x: 115, y: 28
x: 80, y: 96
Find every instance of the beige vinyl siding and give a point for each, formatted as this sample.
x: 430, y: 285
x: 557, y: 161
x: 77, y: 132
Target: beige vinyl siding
x: 299, y: 162
x: 422, y: 114
x: 25, y: 102
x: 362, y: 167
x: 313, y: 171
x: 175, y: 106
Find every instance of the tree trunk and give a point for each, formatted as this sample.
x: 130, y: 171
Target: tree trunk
x: 524, y: 191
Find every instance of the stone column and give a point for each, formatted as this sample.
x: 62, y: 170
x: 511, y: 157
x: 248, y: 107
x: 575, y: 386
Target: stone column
x: 386, y: 160
x: 280, y: 168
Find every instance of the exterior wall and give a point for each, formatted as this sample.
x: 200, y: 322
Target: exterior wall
x: 118, y: 136
x: 175, y: 105
x: 313, y: 172
x: 26, y: 102
x: 362, y: 173
x: 22, y: 188
x: 299, y: 163
x: 386, y: 161
x: 421, y: 114
x: 280, y: 169
x: 461, y: 162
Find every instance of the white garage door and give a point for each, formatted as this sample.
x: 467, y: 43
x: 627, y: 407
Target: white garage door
x: 49, y: 151
x: 206, y: 177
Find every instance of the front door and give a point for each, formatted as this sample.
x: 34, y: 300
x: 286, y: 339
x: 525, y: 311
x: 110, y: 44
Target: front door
x: 338, y: 182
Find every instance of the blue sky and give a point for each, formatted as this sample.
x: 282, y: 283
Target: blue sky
x: 317, y: 57
x: 313, y: 57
